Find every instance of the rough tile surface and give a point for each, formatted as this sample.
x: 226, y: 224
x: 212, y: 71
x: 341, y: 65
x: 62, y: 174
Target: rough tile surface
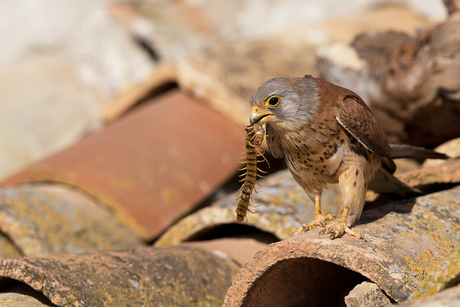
x: 411, y: 251
x: 170, y: 276
x: 46, y: 219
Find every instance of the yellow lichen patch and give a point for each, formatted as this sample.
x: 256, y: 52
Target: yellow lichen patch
x: 426, y: 257
x: 445, y: 247
x: 440, y: 275
x: 435, y: 274
x: 49, y: 220
x: 414, y: 267
x: 376, y: 268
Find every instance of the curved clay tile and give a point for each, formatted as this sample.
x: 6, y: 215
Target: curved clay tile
x: 445, y: 298
x: 168, y: 276
x: 151, y: 166
x: 411, y: 251
x: 45, y: 219
x: 448, y: 172
x: 281, y: 206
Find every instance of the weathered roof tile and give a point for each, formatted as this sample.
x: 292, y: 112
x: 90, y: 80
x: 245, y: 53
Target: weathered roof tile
x: 411, y: 251
x: 168, y: 276
x: 281, y: 206
x: 448, y: 172
x: 151, y: 166
x: 46, y: 219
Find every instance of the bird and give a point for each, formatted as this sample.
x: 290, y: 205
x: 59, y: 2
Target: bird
x: 327, y: 135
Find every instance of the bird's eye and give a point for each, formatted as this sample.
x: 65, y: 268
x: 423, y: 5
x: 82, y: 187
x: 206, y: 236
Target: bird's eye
x: 273, y: 102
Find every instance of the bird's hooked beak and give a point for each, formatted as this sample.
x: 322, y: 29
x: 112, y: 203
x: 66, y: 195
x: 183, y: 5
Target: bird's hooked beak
x: 259, y: 116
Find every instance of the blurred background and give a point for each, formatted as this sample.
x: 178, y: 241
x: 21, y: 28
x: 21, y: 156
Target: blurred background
x: 63, y: 62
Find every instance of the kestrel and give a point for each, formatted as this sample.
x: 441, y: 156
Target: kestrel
x: 327, y: 135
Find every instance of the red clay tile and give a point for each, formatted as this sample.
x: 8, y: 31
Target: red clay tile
x: 151, y: 166
x: 411, y: 251
x: 168, y: 276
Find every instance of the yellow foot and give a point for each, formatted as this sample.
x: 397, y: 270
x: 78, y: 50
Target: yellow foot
x: 319, y: 221
x: 339, y: 229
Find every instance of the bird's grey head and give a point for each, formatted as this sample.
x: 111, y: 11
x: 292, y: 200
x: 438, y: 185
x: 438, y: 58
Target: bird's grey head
x: 285, y: 103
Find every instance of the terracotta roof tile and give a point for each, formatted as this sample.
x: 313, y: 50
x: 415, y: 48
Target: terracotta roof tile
x: 281, y: 206
x: 151, y: 166
x: 169, y: 276
x: 448, y: 172
x: 411, y: 251
x: 445, y: 298
x: 45, y: 219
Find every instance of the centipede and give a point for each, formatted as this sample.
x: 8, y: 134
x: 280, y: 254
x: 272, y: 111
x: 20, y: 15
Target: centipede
x: 254, y: 137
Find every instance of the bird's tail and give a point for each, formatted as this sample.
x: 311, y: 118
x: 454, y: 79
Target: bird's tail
x: 386, y: 183
x: 409, y: 151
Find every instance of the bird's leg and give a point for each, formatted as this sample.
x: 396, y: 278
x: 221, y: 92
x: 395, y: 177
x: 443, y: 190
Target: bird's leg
x: 341, y: 227
x: 318, y: 220
x: 352, y: 184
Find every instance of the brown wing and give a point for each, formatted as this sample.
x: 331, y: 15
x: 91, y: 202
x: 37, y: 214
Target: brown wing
x: 274, y: 143
x: 356, y: 117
